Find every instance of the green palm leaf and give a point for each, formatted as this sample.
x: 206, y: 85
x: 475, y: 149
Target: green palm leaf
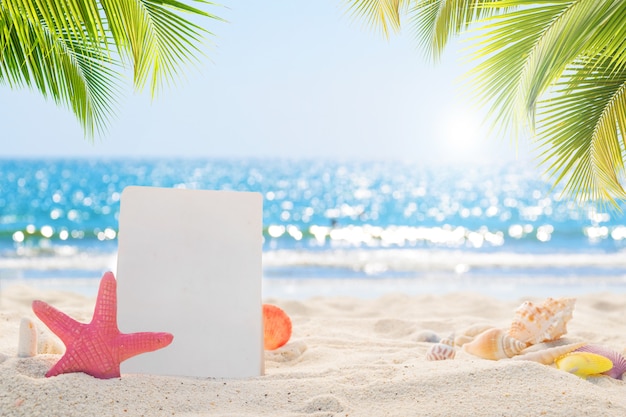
x: 68, y: 71
x: 588, y: 150
x: 555, y: 69
x: 74, y: 51
x: 383, y: 15
x: 436, y: 21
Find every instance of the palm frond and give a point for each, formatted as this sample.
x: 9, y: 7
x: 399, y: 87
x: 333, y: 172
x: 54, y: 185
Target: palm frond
x: 434, y: 22
x: 588, y: 152
x: 70, y: 50
x: 557, y: 49
x: 66, y: 70
x: 155, y: 37
x: 382, y: 15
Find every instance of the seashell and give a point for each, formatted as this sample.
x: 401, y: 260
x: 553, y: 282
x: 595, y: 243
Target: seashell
x: 276, y: 327
x: 48, y: 344
x: 550, y: 355
x: 462, y: 339
x: 583, y: 364
x: 440, y: 352
x: 618, y: 360
x: 494, y: 344
x: 534, y: 324
x: 27, y: 344
x: 428, y: 336
x: 468, y: 334
x: 448, y: 340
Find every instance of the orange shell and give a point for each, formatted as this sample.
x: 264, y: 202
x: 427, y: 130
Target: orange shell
x: 276, y: 327
x: 542, y: 323
x: 494, y: 344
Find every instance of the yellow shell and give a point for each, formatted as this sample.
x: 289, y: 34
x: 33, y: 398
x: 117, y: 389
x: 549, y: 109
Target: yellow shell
x: 584, y: 364
x: 534, y: 324
x: 494, y: 344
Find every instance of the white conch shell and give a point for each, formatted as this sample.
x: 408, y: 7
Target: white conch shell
x: 540, y: 323
x: 549, y: 355
x: 494, y: 344
x: 440, y: 351
x: 27, y: 343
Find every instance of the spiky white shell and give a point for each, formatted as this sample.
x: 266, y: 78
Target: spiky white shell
x: 440, y: 352
x: 534, y: 323
x: 494, y: 344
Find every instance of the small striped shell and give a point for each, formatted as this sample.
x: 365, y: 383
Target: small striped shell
x: 549, y: 355
x: 440, y: 352
x: 618, y: 360
x: 584, y: 364
x: 448, y: 340
x: 494, y: 344
x: 534, y: 324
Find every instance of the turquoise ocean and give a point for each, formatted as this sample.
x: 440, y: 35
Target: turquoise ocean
x: 357, y: 228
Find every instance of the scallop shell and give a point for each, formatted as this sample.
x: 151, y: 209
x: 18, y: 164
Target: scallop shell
x: 584, y: 364
x: 440, y: 352
x: 618, y: 360
x: 494, y: 344
x: 540, y: 323
x: 549, y: 355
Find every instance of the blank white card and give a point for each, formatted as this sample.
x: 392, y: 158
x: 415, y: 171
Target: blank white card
x: 189, y: 263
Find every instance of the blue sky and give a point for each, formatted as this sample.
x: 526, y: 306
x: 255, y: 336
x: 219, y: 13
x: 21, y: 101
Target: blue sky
x: 287, y: 79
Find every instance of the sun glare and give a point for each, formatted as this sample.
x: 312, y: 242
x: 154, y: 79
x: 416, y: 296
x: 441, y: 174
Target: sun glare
x: 461, y: 130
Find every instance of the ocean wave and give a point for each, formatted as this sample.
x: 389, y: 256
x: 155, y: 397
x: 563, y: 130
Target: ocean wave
x: 379, y: 262
x: 370, y: 262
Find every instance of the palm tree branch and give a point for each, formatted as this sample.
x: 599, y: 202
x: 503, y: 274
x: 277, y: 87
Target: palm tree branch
x: 64, y: 69
x: 155, y: 37
x: 555, y: 51
x: 383, y: 15
x: 434, y: 22
x: 586, y: 152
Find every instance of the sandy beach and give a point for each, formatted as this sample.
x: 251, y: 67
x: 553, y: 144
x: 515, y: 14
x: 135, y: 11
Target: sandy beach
x: 347, y: 357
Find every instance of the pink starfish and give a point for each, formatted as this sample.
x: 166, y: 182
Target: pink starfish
x: 97, y: 348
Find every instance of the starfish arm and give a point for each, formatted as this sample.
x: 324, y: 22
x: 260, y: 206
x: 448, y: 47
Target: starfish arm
x: 74, y: 361
x: 105, y: 312
x: 58, y: 322
x: 133, y: 344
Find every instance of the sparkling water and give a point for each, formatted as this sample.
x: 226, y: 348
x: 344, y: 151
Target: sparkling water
x: 373, y: 220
